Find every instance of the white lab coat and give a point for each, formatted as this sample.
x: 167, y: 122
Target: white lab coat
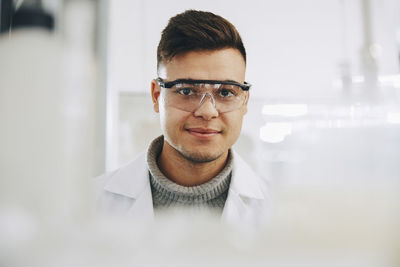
x: 127, y: 192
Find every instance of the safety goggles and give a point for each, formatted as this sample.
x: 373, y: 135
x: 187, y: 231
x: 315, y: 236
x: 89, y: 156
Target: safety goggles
x: 189, y: 95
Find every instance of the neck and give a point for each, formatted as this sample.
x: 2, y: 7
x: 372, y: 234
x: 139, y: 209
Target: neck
x: 186, y: 172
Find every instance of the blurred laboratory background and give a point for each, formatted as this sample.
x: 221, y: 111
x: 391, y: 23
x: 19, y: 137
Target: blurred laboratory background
x: 323, y: 121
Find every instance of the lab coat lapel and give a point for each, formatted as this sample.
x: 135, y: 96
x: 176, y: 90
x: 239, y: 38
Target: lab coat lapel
x: 244, y: 192
x: 142, y: 208
x: 132, y: 181
x: 234, y: 208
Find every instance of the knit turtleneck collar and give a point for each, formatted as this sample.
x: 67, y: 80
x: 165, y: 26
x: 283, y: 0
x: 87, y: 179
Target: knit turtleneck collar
x: 166, y: 192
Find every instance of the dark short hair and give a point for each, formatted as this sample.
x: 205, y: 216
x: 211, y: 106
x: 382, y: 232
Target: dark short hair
x: 197, y: 30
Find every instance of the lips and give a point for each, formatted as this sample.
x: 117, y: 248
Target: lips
x: 203, y: 133
x: 203, y: 130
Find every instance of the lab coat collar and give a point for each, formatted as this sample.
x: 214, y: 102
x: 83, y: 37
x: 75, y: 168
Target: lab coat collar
x: 130, y: 180
x: 133, y: 181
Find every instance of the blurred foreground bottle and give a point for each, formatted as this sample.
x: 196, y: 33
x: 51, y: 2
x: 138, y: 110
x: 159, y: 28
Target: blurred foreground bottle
x: 46, y: 125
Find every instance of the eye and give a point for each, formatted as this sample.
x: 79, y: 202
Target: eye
x: 185, y: 91
x: 224, y: 93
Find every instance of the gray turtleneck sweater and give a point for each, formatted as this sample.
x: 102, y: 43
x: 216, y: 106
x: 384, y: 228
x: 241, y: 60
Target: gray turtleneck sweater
x: 210, y: 196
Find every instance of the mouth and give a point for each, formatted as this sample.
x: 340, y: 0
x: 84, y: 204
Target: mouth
x: 203, y: 133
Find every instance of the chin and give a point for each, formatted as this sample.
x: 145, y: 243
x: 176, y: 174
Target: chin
x: 200, y: 157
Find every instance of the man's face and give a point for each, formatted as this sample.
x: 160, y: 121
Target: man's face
x: 205, y: 134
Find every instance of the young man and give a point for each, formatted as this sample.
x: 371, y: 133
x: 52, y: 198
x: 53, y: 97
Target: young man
x: 201, y: 97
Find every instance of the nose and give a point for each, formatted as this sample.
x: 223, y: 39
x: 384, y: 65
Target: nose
x: 206, y: 108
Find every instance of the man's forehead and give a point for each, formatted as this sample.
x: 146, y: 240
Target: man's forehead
x: 222, y: 64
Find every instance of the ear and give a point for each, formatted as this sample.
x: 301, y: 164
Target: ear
x: 155, y: 95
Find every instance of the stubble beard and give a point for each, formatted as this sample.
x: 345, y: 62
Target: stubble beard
x: 198, y: 157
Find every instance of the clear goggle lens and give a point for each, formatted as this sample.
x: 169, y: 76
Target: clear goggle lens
x: 190, y: 96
